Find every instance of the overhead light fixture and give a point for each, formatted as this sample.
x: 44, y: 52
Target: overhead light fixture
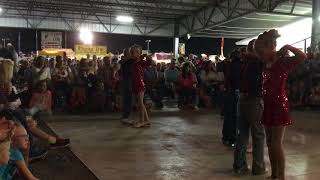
x: 188, y: 36
x: 86, y: 36
x: 125, y: 19
x: 0, y: 10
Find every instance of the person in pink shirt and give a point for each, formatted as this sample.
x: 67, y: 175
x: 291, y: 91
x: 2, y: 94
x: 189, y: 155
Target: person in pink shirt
x: 41, y: 99
x: 187, y: 82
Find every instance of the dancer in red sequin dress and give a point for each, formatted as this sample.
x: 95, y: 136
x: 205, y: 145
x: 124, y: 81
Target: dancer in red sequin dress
x: 276, y: 114
x: 138, y: 85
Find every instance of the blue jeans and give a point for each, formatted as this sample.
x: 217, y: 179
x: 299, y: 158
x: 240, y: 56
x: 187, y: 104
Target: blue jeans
x: 250, y: 111
x: 229, y: 131
x: 127, y: 102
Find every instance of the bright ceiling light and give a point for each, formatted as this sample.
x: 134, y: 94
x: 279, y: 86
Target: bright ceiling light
x: 188, y: 36
x: 0, y: 10
x: 125, y: 19
x: 86, y: 36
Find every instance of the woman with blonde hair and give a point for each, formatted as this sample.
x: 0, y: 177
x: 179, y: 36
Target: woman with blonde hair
x: 6, y: 65
x: 6, y: 69
x: 138, y: 85
x: 276, y: 115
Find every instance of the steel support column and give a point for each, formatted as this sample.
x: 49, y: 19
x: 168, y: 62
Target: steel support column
x: 65, y: 39
x: 176, y: 40
x: 176, y: 47
x: 315, y: 38
x: 36, y: 40
x: 19, y: 42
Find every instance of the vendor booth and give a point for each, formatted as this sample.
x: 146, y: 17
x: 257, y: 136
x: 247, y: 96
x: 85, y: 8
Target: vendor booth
x: 56, y: 52
x: 163, y: 57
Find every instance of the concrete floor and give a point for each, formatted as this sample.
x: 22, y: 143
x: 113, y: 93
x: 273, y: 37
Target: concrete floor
x: 179, y: 145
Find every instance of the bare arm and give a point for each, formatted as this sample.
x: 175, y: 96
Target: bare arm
x: 291, y: 63
x: 298, y: 54
x: 301, y: 56
x: 24, y: 170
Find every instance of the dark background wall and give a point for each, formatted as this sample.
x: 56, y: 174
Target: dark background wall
x: 197, y: 45
x: 116, y: 43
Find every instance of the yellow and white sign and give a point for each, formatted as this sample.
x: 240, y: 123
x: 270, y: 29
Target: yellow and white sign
x: 83, y: 50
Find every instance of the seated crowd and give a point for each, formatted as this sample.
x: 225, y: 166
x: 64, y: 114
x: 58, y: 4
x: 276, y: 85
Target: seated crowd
x: 21, y: 108
x: 94, y: 85
x: 304, y: 83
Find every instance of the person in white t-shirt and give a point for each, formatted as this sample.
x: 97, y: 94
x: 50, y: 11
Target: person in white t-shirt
x: 40, y: 72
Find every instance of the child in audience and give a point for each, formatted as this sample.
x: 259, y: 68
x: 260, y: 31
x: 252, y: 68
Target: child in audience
x: 187, y: 83
x: 78, y: 97
x: 20, y: 142
x: 97, y: 100
x: 41, y: 99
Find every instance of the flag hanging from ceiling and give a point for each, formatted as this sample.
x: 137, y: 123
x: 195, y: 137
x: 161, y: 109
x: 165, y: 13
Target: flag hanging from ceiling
x: 222, y: 45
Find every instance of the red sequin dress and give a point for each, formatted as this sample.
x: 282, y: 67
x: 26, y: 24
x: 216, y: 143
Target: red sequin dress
x: 276, y: 104
x: 138, y: 68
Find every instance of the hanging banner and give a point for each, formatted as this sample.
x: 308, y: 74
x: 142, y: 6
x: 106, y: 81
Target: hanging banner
x: 222, y: 46
x: 51, y: 40
x: 84, y: 50
x: 182, y: 48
